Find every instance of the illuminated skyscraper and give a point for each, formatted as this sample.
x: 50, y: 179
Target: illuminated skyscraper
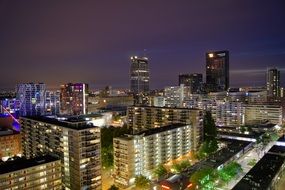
x: 32, y: 98
x: 217, y: 71
x: 73, y: 98
x: 273, y: 82
x: 139, y: 75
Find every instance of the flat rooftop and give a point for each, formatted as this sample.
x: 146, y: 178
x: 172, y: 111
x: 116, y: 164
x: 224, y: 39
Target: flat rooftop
x: 262, y: 174
x: 279, y: 150
x: 7, y: 131
x: 22, y: 163
x: 153, y: 131
x: 75, y: 122
x: 176, y: 108
x: 221, y: 156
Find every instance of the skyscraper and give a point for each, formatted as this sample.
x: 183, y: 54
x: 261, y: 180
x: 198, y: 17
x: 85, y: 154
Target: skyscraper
x: 73, y: 99
x: 194, y: 81
x: 217, y: 71
x: 32, y: 98
x: 139, y: 75
x: 273, y: 82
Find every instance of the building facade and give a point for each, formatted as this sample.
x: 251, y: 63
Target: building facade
x: 174, y: 95
x: 273, y: 82
x: 52, y: 102
x: 32, y: 98
x: 142, y: 118
x: 194, y: 81
x: 258, y: 113
x: 10, y: 143
x: 74, y: 99
x: 37, y: 173
x: 217, y: 71
x: 139, y: 75
x: 75, y: 141
x: 141, y: 153
x: 226, y: 113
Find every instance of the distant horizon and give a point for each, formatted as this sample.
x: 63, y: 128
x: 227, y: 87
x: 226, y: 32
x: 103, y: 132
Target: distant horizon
x: 259, y: 83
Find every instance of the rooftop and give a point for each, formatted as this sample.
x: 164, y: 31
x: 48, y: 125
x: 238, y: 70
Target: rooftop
x: 22, y: 163
x: 279, y: 150
x: 153, y: 131
x: 74, y: 122
x: 262, y: 174
x: 178, y: 108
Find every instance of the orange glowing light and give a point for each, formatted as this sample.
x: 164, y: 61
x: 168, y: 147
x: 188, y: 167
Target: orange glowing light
x: 165, y: 187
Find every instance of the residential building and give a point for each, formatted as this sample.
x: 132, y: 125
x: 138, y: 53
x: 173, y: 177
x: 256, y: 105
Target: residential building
x: 141, y: 118
x: 74, y: 99
x: 32, y: 98
x: 226, y: 113
x: 139, y: 154
x: 74, y: 140
x: 42, y: 172
x: 258, y: 113
x: 175, y: 95
x: 10, y: 143
x: 52, y: 102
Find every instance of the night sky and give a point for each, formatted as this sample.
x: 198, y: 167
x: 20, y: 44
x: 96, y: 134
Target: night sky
x: 91, y: 41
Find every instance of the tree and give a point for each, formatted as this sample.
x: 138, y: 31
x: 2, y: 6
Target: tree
x: 160, y: 171
x: 201, y: 176
x: 113, y: 187
x: 210, y: 130
x: 179, y: 167
x: 142, y: 182
x: 107, y: 135
x: 229, y: 171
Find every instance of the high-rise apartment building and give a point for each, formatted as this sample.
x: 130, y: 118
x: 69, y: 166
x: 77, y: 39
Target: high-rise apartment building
x: 52, y: 102
x: 32, y: 98
x: 174, y: 95
x: 273, y: 82
x: 38, y: 173
x: 227, y: 113
x: 74, y: 99
x: 139, y: 75
x: 74, y: 140
x: 141, y: 118
x: 194, y: 81
x: 217, y: 71
x: 139, y: 154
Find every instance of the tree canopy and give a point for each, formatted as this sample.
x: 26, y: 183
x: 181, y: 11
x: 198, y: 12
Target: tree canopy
x: 142, y: 182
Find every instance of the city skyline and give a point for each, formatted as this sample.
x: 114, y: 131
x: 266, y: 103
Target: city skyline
x: 79, y: 42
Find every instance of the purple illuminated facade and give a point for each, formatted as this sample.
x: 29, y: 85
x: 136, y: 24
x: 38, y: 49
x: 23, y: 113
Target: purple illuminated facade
x: 73, y: 99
